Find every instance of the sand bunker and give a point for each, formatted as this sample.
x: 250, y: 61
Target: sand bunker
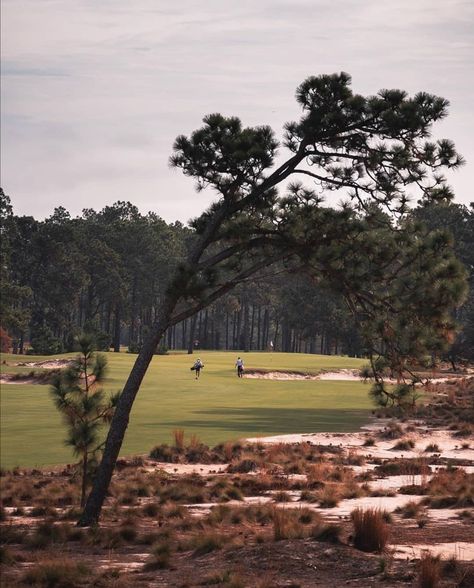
x: 341, y: 375
x: 352, y: 375
x: 203, y: 469
x: 32, y: 377
x: 460, y: 550
x: 48, y: 364
x: 448, y: 446
x: 9, y: 379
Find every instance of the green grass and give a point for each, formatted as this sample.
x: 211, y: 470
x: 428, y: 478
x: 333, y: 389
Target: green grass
x: 217, y: 407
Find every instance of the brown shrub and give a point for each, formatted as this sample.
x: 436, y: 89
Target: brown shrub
x: 451, y: 488
x: 160, y: 556
x: 410, y: 510
x: 328, y: 532
x: 281, y: 496
x: 404, y: 445
x: 392, y: 431
x: 56, y: 572
x: 429, y: 571
x: 329, y: 497
x: 208, y: 541
x: 286, y: 525
x: 370, y: 530
x: 178, y: 436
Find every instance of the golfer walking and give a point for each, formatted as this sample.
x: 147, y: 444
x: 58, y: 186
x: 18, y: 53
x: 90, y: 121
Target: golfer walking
x: 239, y: 364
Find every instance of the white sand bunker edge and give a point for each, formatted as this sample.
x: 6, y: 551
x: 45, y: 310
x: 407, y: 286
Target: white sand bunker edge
x: 344, y: 374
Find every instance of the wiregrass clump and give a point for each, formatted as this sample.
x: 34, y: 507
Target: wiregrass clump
x: 404, y: 445
x: 370, y: 530
x: 450, y: 488
x: 160, y: 556
x: 286, y: 525
x: 429, y: 570
x: 56, y: 572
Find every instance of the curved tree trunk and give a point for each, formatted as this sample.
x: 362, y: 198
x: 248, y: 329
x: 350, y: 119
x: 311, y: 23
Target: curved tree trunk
x: 119, y: 424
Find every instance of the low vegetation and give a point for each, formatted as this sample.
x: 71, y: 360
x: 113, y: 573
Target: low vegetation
x: 370, y: 530
x: 167, y: 522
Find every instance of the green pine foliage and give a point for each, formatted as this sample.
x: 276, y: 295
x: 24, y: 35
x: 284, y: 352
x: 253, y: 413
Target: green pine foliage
x: 77, y: 395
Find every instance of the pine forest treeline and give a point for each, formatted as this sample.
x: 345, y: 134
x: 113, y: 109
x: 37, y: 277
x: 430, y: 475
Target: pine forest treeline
x: 104, y: 273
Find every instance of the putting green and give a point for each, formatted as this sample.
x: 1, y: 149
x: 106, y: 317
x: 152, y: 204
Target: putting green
x: 216, y: 408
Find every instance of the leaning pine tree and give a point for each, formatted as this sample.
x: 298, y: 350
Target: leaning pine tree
x: 372, y: 150
x: 78, y: 397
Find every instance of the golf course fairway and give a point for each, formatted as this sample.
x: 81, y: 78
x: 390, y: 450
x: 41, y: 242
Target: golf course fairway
x: 217, y: 407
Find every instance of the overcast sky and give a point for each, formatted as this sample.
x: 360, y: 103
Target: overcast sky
x: 95, y: 91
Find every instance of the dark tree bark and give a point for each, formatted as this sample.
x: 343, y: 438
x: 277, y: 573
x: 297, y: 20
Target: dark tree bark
x: 259, y: 331
x: 227, y: 331
x: 252, y: 328
x: 117, y: 329
x: 266, y: 328
x: 246, y: 327
x: 192, y: 331
x: 184, y: 326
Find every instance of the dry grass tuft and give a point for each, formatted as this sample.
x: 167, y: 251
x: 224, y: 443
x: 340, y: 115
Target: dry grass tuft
x: 207, y: 542
x: 286, y: 524
x: 451, y: 488
x: 370, y: 530
x: 329, y: 496
x: 329, y: 532
x: 411, y: 510
x: 281, y: 496
x: 56, y: 572
x: 404, y: 445
x: 429, y: 571
x: 160, y: 556
x: 178, y: 436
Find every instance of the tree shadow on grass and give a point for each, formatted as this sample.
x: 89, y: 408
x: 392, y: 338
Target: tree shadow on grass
x: 276, y: 420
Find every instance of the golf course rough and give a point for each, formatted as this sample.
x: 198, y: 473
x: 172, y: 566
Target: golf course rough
x: 217, y: 407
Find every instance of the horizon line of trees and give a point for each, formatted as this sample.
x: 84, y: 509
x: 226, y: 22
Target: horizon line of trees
x: 104, y: 273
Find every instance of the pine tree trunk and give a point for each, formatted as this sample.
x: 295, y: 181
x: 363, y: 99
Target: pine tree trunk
x: 191, y: 335
x: 246, y: 328
x: 227, y: 331
x: 266, y: 328
x: 234, y: 330
x: 238, y: 331
x: 205, y: 338
x: 259, y: 330
x: 119, y: 424
x: 117, y: 330
x: 184, y: 326
x: 84, y: 480
x: 252, y: 328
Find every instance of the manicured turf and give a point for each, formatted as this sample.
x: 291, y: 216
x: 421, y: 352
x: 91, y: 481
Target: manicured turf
x: 217, y: 407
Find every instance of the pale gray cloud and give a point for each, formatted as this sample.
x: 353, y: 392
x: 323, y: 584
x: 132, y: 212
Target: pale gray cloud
x: 94, y: 93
